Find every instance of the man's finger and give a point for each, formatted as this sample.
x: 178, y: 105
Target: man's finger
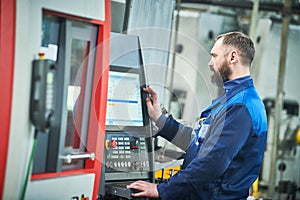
x: 149, y: 103
x: 149, y: 90
x: 138, y: 194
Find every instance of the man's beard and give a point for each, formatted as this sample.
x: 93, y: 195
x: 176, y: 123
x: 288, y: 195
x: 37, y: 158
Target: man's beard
x: 221, y: 76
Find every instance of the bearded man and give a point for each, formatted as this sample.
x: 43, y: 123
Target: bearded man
x: 224, y: 153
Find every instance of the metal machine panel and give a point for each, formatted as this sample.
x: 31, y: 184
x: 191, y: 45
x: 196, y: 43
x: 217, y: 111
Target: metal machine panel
x: 62, y: 187
x: 128, y: 145
x: 94, y: 9
x: 152, y: 21
x: 127, y: 53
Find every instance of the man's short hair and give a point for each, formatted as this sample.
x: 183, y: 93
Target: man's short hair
x: 242, y: 43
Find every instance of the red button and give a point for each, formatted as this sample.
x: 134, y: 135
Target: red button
x: 112, y: 144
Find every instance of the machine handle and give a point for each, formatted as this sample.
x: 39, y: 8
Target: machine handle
x: 77, y: 156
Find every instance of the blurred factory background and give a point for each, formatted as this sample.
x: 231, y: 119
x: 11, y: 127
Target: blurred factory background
x: 174, y: 42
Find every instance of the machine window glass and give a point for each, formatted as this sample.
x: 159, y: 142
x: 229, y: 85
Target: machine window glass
x: 78, y: 68
x: 80, y: 55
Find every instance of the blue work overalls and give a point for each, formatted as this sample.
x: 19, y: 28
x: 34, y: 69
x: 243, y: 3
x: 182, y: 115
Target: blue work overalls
x: 216, y: 165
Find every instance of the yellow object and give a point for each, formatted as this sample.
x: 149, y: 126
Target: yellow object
x: 298, y: 136
x: 166, y: 173
x: 255, y: 192
x: 106, y: 144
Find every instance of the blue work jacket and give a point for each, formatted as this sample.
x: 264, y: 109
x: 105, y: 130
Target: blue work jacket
x: 224, y: 156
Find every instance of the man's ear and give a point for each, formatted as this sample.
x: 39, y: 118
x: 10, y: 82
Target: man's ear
x: 233, y: 56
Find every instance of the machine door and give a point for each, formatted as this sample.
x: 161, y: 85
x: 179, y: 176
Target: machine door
x: 80, y: 57
x: 64, y: 147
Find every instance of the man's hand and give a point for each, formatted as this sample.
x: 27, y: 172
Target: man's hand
x: 146, y: 189
x: 153, y: 104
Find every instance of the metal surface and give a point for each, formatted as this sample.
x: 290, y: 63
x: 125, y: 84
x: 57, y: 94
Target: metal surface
x: 152, y: 21
x: 128, y: 154
x: 121, y: 176
x: 253, y: 30
x: 174, y: 51
x: 254, y: 17
x: 279, y: 94
x: 67, y: 187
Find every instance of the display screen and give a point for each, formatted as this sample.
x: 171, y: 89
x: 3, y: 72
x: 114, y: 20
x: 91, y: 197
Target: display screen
x: 124, y: 103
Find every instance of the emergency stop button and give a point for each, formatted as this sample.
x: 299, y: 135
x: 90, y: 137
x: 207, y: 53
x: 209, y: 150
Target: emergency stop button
x: 110, y: 144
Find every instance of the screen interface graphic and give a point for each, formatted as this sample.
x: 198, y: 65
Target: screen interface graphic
x: 124, y: 106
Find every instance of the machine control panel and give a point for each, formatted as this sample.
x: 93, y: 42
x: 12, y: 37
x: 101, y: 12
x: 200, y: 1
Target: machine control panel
x: 128, y: 147
x: 126, y: 153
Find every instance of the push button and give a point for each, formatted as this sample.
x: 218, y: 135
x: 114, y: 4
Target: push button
x: 110, y: 144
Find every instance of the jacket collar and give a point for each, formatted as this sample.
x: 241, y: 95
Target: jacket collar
x: 228, y: 85
x: 231, y: 87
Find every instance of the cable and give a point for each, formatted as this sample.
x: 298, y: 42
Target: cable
x: 29, y: 164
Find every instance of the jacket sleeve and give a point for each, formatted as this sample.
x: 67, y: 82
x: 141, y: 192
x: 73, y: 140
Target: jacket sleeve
x: 174, y: 132
x: 227, y: 136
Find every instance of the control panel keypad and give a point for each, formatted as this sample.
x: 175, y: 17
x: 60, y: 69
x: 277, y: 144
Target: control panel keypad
x: 126, y: 153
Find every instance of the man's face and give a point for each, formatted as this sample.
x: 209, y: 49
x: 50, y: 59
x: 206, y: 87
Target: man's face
x: 219, y: 64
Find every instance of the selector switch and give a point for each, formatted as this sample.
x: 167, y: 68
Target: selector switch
x: 110, y: 144
x: 134, y: 143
